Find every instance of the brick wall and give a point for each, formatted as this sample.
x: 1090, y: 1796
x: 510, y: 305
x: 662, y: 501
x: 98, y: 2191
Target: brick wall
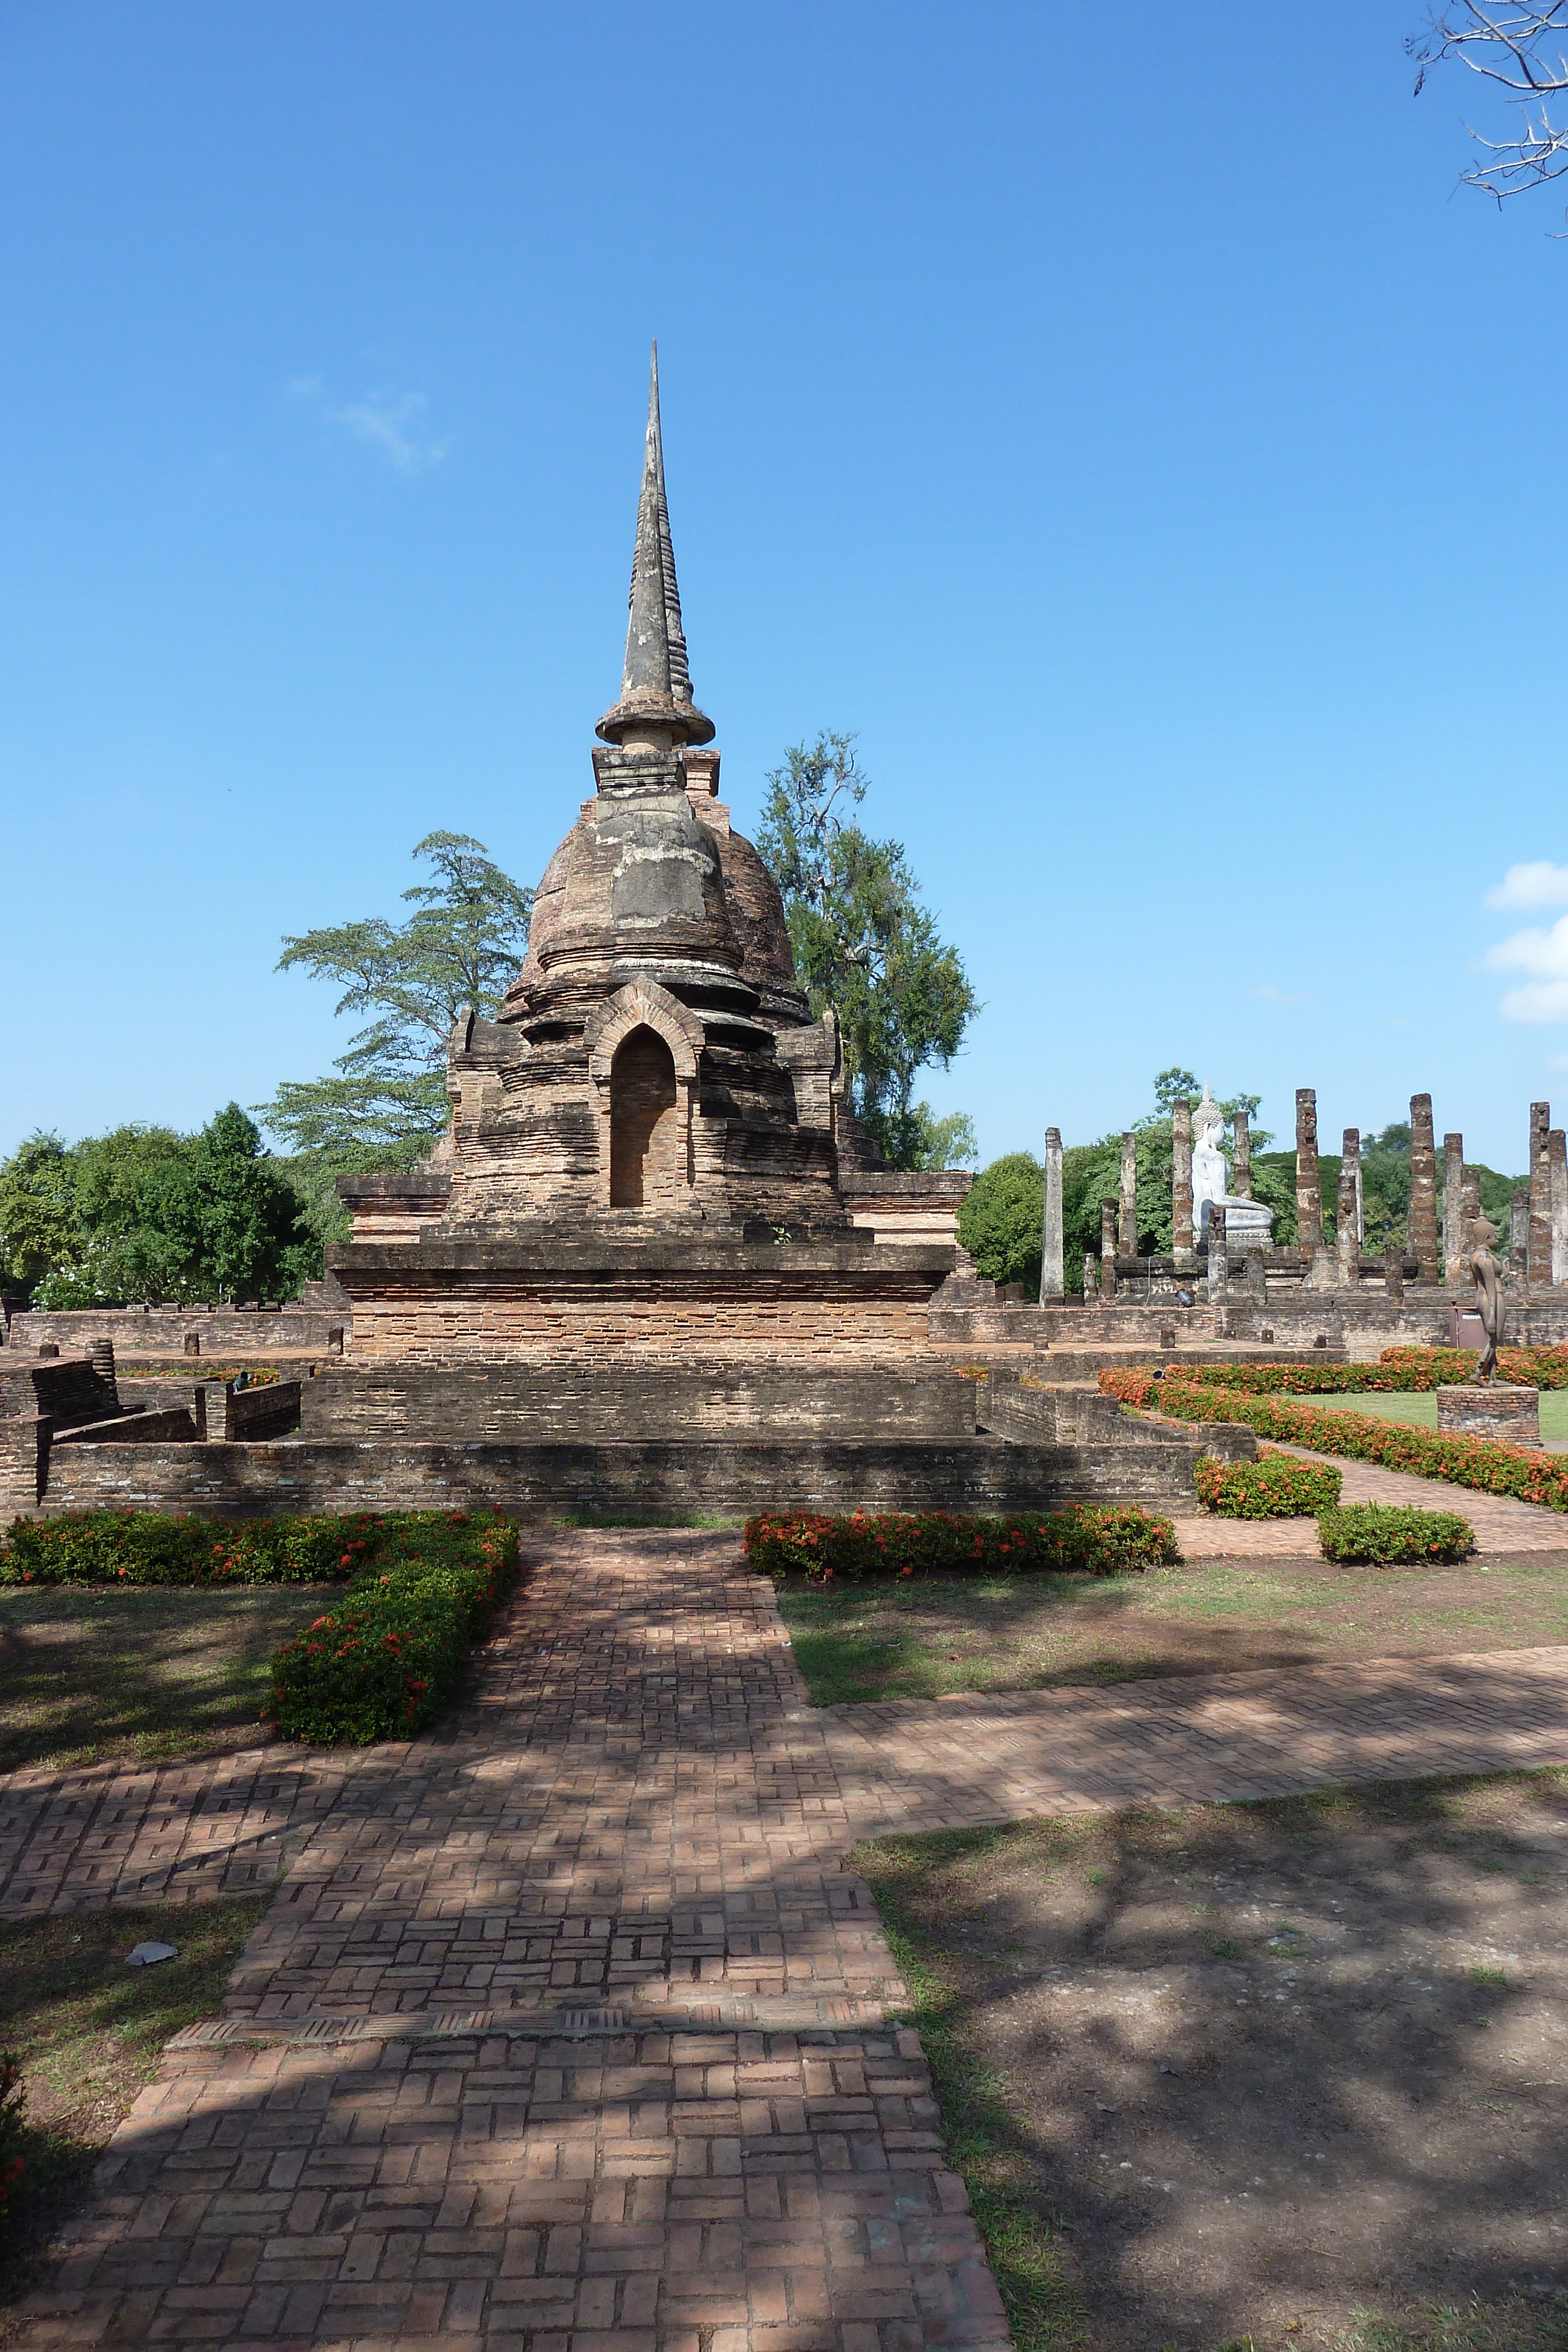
x: 517, y: 1404
x: 162, y: 1330
x: 546, y: 1481
x: 675, y: 1319
x: 1082, y: 1415
x: 64, y: 1387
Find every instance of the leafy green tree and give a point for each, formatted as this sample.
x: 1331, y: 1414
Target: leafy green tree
x: 144, y: 1213
x: 1000, y: 1223
x: 864, y: 944
x: 126, y: 1185
x: 922, y: 1140
x: 234, y: 1213
x: 462, y: 945
x: 38, y: 1224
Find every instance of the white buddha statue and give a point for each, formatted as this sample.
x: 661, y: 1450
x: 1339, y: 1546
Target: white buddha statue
x: 1249, y: 1224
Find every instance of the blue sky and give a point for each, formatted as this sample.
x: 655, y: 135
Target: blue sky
x: 1136, y: 441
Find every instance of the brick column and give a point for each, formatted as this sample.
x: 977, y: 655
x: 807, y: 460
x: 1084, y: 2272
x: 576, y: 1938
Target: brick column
x: 1454, y: 1250
x: 23, y: 1462
x: 1557, y: 1164
x: 218, y: 1407
x: 1127, y: 1220
x: 1519, y: 1230
x: 1181, y: 1184
x: 1394, y: 1270
x: 1539, y: 1267
x: 1469, y: 1215
x: 1309, y: 1189
x: 1107, y: 1249
x: 1348, y: 1242
x: 1423, y: 1242
x: 1241, y: 1158
x: 1219, y: 1254
x: 1053, y: 1274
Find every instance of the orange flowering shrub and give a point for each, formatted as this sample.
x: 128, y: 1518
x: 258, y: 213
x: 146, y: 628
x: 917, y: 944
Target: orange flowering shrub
x: 385, y: 1660
x: 169, y: 1547
x: 1089, y: 1539
x: 1275, y: 1486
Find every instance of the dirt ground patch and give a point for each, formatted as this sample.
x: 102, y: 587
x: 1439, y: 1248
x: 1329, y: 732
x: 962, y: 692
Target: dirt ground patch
x: 927, y: 1636
x: 89, y: 2031
x: 1253, y: 2072
x: 89, y: 1675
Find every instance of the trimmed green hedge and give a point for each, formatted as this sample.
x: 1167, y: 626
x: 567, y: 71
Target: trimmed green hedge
x: 385, y: 1663
x: 1384, y: 1532
x: 157, y: 1548
x: 1088, y: 1539
x: 380, y: 1664
x: 1397, y: 1371
x: 1482, y: 1463
x: 1273, y: 1487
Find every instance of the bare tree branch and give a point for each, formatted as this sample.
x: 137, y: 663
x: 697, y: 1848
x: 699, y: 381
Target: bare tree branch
x: 1511, y: 46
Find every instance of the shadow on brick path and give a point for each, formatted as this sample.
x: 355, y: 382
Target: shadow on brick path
x: 618, y: 2075
x: 566, y: 2027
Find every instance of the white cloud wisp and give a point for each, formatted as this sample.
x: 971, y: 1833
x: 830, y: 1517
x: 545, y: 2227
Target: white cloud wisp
x: 1540, y: 884
x: 1545, y: 956
x: 392, y: 424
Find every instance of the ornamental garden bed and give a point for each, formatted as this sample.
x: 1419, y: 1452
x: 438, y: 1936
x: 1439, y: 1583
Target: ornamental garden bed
x: 379, y: 1658
x: 1255, y: 2075
x: 1088, y: 1539
x: 927, y: 1636
x: 1485, y: 1465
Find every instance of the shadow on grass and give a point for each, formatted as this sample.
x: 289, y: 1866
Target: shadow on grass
x: 88, y: 1673
x: 1072, y: 2072
x: 933, y: 1638
x: 89, y: 2032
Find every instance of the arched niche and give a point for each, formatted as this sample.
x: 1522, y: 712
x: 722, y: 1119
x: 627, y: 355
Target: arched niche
x: 647, y: 1143
x: 643, y: 1048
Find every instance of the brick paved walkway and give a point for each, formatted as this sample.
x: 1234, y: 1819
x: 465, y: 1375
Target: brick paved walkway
x: 638, y: 1813
x: 564, y: 2029
x: 115, y: 1833
x: 955, y: 1763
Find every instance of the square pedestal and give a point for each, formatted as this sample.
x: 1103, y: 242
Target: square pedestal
x: 1501, y: 1410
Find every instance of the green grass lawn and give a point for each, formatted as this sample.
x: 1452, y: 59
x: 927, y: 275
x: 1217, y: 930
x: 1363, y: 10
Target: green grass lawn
x: 1241, y: 2078
x: 929, y: 1636
x: 89, y: 2032
x: 1420, y: 1410
x: 86, y: 1673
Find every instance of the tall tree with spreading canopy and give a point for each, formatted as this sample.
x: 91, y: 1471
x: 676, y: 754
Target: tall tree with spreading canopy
x: 865, y: 945
x: 462, y: 945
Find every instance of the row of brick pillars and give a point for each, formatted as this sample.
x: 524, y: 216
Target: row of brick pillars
x: 1537, y: 1242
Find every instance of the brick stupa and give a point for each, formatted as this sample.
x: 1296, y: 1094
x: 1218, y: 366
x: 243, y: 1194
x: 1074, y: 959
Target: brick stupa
x: 645, y: 1160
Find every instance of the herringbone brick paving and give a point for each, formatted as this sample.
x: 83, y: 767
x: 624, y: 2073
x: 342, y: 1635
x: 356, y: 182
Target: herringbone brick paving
x: 638, y: 1813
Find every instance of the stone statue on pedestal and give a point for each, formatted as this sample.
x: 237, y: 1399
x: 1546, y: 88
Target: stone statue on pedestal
x: 1486, y: 1273
x: 1249, y: 1224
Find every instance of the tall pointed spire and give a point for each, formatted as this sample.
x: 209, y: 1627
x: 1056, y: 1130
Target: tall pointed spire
x: 657, y: 684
